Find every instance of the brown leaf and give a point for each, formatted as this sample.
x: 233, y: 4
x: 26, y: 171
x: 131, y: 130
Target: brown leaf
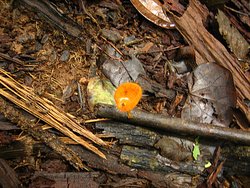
x: 175, y: 103
x: 211, y: 95
x: 131, y: 70
x: 152, y: 10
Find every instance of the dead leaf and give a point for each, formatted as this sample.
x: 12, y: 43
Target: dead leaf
x: 152, y: 10
x: 119, y: 72
x: 175, y: 103
x: 211, y: 95
x: 146, y: 47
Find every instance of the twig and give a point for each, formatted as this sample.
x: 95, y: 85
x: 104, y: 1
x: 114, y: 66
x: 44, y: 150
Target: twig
x: 80, y: 94
x: 87, y: 13
x: 239, y: 12
x: 14, y: 60
x: 177, y: 125
x: 111, y: 44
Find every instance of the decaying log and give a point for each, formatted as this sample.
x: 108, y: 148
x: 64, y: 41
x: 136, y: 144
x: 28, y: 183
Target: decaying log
x: 236, y: 157
x: 209, y: 49
x: 111, y: 165
x: 177, y: 125
x: 128, y: 134
x: 67, y: 179
x: 151, y: 159
x: 154, y: 161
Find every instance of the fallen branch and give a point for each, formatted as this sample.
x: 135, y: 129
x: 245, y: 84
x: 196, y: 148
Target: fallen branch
x: 177, y: 125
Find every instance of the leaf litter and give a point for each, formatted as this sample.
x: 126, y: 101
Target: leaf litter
x: 57, y: 79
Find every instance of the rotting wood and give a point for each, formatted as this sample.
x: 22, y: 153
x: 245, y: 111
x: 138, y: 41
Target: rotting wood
x: 237, y: 156
x: 111, y: 165
x: 15, y: 116
x: 234, y: 152
x: 177, y: 125
x: 209, y: 49
x: 239, y: 163
x: 237, y: 159
x: 151, y: 159
x: 45, y: 110
x: 128, y: 134
x: 67, y: 179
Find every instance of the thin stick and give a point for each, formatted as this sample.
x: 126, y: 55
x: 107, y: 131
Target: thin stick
x: 177, y: 125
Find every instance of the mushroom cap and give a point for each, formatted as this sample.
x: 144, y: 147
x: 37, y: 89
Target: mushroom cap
x: 127, y: 96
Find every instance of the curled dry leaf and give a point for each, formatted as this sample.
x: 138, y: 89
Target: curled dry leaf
x: 152, y: 10
x: 211, y: 95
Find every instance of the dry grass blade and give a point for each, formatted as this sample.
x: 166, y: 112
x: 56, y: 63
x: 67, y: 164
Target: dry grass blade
x: 45, y: 110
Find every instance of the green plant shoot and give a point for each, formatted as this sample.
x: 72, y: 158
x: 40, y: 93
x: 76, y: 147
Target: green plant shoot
x: 196, y: 149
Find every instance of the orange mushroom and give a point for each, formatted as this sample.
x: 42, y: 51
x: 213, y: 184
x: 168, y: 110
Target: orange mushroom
x: 127, y: 96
